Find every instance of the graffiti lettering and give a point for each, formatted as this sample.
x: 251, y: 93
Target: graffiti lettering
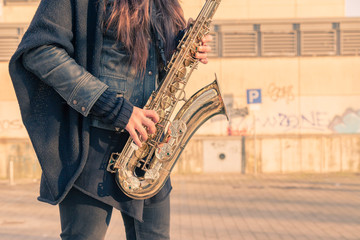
x: 24, y: 160
x: 281, y: 122
x: 349, y: 122
x: 21, y: 153
x: 314, y: 120
x: 238, y: 112
x: 21, y: 158
x: 277, y: 93
x: 236, y: 132
x: 232, y: 111
x: 10, y: 125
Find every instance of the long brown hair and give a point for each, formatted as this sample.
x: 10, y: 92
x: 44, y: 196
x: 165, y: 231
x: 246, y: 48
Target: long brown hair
x: 132, y: 20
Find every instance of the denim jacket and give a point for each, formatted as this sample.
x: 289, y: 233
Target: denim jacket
x: 52, y: 64
x: 121, y: 78
x: 71, y: 81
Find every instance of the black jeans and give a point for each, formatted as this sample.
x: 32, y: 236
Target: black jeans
x: 85, y: 218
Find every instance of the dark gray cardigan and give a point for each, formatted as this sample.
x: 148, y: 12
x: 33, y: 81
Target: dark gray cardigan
x: 58, y: 132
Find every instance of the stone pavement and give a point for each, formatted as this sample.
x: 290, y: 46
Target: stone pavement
x: 224, y: 206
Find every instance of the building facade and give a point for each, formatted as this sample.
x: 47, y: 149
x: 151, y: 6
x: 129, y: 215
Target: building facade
x: 288, y: 71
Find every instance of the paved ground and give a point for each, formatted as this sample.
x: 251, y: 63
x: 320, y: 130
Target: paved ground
x: 233, y: 206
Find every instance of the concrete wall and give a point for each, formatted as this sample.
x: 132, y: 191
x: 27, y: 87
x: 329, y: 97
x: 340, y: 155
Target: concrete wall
x: 299, y: 95
x: 7, y: 92
x: 18, y: 157
x: 264, y: 9
x: 272, y: 154
x: 18, y: 13
x: 228, y: 9
x: 306, y: 153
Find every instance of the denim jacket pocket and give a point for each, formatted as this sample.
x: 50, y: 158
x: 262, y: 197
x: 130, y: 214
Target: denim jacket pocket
x: 115, y: 70
x: 115, y: 84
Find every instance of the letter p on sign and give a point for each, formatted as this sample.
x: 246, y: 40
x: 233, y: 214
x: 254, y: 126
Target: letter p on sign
x: 253, y: 96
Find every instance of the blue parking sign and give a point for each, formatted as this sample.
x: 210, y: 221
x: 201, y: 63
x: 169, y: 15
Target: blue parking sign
x: 253, y: 96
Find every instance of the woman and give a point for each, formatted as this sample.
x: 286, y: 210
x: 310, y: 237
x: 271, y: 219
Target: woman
x: 84, y: 70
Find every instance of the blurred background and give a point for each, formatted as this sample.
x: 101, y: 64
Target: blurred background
x: 289, y: 73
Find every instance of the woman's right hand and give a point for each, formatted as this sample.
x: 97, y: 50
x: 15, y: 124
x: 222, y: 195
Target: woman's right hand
x: 141, y: 123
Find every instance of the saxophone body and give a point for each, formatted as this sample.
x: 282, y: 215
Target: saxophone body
x: 142, y: 172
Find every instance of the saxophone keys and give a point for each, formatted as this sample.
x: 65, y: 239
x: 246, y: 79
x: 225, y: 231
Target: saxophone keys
x: 166, y: 102
x: 177, y: 128
x: 174, y: 87
x: 114, y: 157
x: 143, y: 151
x: 188, y: 62
x: 152, y: 174
x: 112, y: 161
x: 181, y: 96
x: 132, y: 183
x: 161, y: 113
x: 181, y: 73
x: 163, y: 152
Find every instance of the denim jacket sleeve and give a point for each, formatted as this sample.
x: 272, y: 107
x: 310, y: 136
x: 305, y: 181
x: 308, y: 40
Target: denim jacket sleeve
x: 55, y: 67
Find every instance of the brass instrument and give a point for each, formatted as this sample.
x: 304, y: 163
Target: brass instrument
x: 141, y: 172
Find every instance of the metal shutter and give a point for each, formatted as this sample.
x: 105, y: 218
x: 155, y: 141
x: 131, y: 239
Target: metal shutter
x: 318, y: 39
x: 239, y: 44
x: 278, y: 40
x: 10, y: 37
x: 350, y: 38
x: 278, y: 44
x: 239, y: 41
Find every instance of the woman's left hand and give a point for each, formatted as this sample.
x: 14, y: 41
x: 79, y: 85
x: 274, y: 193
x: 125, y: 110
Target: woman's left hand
x: 203, y: 49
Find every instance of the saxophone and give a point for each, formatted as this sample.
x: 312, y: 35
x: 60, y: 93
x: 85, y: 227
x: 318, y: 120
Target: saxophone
x: 142, y: 172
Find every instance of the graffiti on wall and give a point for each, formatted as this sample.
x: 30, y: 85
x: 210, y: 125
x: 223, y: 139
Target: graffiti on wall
x: 304, y: 115
x: 11, y: 125
x: 6, y: 125
x: 233, y: 108
x: 237, y: 129
x: 236, y: 113
x: 20, y: 153
x: 24, y: 160
x: 348, y: 122
x: 281, y: 93
x: 315, y: 120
